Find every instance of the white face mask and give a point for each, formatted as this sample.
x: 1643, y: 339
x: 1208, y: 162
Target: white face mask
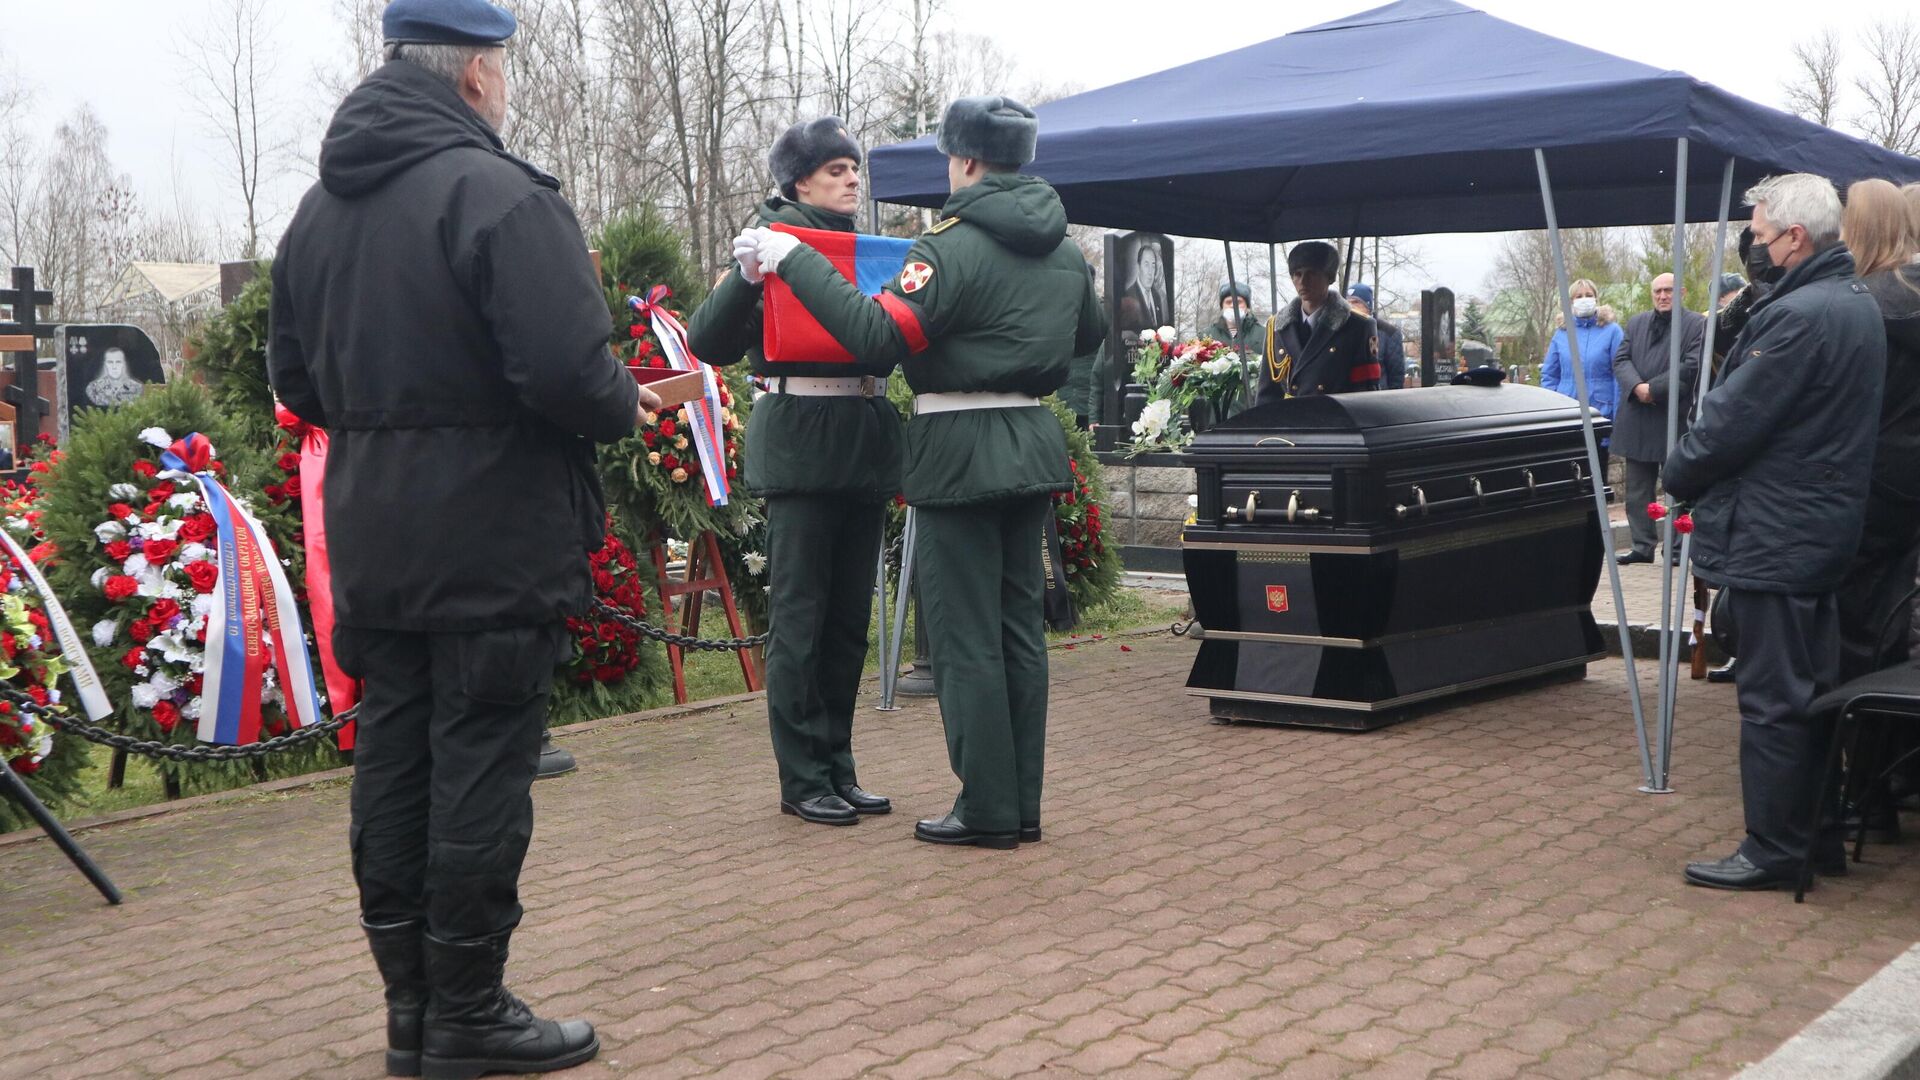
x: 1584, y: 307
x: 1230, y: 313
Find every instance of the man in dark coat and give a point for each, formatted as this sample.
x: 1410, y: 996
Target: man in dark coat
x: 1236, y: 325
x: 1393, y: 349
x: 1777, y: 467
x: 1642, y: 368
x: 823, y: 450
x: 1317, y: 345
x: 435, y: 309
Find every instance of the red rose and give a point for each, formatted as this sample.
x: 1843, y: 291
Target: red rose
x: 669, y: 462
x: 119, y: 550
x: 120, y: 511
x: 166, y: 714
x: 162, y: 612
x: 119, y: 587
x: 607, y: 674
x: 667, y: 428
x: 146, y: 468
x: 153, y: 509
x: 163, y: 491
x: 194, y: 684
x: 602, y: 581
x: 203, y: 575
x: 158, y: 551
x: 141, y: 631
x: 134, y: 658
x: 197, y: 529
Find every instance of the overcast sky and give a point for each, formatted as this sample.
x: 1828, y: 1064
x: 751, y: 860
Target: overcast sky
x: 120, y: 56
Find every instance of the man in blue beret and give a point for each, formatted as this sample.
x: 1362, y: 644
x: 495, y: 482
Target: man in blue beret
x: 434, y: 308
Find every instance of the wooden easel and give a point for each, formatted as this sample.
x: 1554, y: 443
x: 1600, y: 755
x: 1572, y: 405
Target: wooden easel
x: 704, y: 571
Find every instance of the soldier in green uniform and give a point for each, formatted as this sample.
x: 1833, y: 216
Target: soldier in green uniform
x: 993, y: 304
x: 823, y: 449
x: 1236, y: 325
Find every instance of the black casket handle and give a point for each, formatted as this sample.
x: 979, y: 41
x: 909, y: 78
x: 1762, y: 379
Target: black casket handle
x: 1294, y: 511
x: 1420, y: 497
x: 1253, y: 500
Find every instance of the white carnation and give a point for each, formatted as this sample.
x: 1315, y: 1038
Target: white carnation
x: 186, y: 500
x: 191, y: 710
x: 154, y: 436
x: 100, y: 577
x: 195, y: 553
x: 203, y: 605
x: 109, y: 531
x: 1167, y: 335
x: 103, y: 632
x: 163, y: 683
x: 135, y: 565
x: 144, y: 696
x: 123, y: 492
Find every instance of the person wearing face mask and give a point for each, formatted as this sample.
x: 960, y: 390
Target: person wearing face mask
x: 1236, y: 325
x: 1598, y: 337
x: 1318, y: 344
x: 1777, y: 468
x: 1640, y: 366
x: 823, y: 449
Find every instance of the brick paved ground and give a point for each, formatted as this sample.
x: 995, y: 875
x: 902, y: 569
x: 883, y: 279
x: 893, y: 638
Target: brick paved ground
x: 1478, y: 893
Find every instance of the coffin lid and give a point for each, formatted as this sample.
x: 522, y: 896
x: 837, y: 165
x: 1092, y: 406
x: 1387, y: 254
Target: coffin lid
x: 1388, y: 419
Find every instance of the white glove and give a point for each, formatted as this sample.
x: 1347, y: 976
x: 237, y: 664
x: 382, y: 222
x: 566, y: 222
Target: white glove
x: 747, y: 254
x: 774, y: 246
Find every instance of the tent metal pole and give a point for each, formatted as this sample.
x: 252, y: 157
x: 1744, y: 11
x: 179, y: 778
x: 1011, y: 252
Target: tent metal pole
x: 1593, y: 463
x: 888, y: 676
x: 1239, y: 341
x: 1273, y: 281
x: 1346, y: 264
x: 1670, y: 705
x: 909, y: 534
x: 1669, y: 631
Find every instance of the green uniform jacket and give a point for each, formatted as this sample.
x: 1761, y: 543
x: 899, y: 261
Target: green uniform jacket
x: 993, y: 299
x: 846, y: 446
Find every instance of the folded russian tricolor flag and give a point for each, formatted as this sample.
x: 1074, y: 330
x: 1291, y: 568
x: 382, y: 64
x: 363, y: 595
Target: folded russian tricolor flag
x: 792, y: 334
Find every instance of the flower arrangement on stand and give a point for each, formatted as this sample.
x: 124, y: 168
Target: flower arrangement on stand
x: 30, y: 662
x: 135, y: 563
x: 1093, y: 570
x: 1197, y: 380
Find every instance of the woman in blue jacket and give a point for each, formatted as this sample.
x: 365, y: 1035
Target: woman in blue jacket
x: 1600, y: 337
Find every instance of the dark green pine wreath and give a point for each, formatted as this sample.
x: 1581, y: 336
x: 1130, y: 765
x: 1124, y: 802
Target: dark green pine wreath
x: 1094, y: 585
x: 99, y: 453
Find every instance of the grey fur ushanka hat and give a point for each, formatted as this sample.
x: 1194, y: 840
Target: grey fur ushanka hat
x: 996, y: 130
x: 805, y: 147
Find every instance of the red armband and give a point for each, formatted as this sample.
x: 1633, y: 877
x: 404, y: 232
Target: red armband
x: 907, y: 319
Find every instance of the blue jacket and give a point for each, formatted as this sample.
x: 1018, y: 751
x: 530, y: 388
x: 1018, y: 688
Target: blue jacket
x: 1598, y: 342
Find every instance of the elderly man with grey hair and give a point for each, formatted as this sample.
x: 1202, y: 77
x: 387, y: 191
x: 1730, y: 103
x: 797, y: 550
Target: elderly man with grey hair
x: 1776, y: 468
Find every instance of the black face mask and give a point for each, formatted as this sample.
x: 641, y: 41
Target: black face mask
x: 1760, y: 266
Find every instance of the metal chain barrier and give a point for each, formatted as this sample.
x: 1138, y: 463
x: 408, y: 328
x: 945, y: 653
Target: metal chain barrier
x: 678, y: 640
x: 1179, y: 629
x: 74, y: 725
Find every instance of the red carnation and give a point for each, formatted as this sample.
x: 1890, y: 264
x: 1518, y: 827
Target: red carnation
x: 203, y: 575
x: 120, y: 511
x: 198, y: 529
x: 43, y: 553
x: 146, y: 468
x: 163, y: 491
x: 166, y: 714
x: 158, y: 551
x: 1656, y: 511
x: 141, y: 631
x: 667, y: 428
x: 38, y: 694
x: 119, y: 587
x: 1683, y: 524
x: 134, y: 658
x: 119, y: 550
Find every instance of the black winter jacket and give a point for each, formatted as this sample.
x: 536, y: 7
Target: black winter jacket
x: 435, y: 309
x: 1640, y: 428
x: 1777, y: 463
x: 1896, y: 459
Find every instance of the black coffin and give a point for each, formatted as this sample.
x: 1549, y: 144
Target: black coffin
x: 1355, y: 555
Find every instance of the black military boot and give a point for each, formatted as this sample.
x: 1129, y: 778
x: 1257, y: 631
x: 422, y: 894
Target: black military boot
x: 475, y: 1026
x: 403, y: 967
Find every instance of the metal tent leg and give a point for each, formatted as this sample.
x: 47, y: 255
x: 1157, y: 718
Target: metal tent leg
x: 890, y: 661
x: 1599, y: 478
x: 888, y: 675
x: 1669, y: 644
x: 11, y: 783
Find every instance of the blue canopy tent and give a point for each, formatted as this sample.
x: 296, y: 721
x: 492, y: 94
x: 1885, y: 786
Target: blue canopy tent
x: 1424, y: 116
x: 1421, y: 116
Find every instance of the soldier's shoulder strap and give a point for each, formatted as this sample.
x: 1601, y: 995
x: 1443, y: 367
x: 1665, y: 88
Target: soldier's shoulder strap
x: 942, y: 226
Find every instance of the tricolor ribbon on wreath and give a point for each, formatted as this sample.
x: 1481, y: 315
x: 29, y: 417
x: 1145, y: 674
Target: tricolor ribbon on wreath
x: 93, y: 695
x: 704, y: 414
x: 255, y: 623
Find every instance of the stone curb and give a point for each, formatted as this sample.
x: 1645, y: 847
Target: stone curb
x: 1873, y: 1034
x: 295, y: 783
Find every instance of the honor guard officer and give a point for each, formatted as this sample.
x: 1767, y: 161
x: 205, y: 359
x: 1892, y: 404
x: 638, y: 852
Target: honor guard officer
x: 1318, y: 345
x: 823, y: 448
x: 434, y: 308
x: 993, y: 304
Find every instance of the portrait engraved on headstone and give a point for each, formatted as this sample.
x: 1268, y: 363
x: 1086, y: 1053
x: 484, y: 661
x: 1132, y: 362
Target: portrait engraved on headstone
x: 104, y: 366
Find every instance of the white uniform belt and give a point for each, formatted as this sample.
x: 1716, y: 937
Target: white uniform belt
x: 939, y: 403
x: 804, y: 386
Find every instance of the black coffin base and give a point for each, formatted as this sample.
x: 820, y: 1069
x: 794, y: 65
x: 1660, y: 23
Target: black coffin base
x: 1319, y: 715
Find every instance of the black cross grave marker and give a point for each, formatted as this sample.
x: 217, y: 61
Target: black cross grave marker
x: 20, y: 339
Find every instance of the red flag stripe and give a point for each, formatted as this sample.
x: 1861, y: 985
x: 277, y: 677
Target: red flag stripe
x: 907, y: 319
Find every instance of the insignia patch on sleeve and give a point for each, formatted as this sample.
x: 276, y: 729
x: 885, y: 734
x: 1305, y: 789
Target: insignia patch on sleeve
x: 914, y: 277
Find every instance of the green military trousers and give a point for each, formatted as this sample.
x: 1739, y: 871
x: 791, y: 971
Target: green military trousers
x: 822, y: 554
x: 982, y: 589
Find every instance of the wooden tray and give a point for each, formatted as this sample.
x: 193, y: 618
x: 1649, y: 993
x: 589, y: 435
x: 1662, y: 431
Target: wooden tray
x: 674, y: 387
